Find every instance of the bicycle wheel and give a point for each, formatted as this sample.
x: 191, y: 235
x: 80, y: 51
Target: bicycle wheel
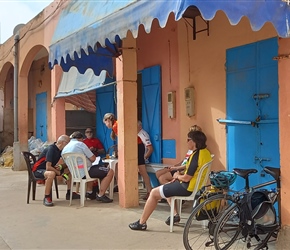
x: 228, y: 228
x: 228, y: 233
x: 199, y: 228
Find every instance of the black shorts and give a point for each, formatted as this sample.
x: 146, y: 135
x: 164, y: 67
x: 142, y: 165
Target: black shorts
x: 39, y: 173
x: 99, y: 171
x: 173, y: 172
x: 141, y: 153
x: 173, y: 189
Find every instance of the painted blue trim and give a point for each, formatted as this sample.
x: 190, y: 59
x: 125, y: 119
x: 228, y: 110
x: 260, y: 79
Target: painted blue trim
x: 169, y: 149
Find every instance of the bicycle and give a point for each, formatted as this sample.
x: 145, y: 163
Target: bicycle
x: 199, y: 231
x: 209, y: 204
x: 231, y: 231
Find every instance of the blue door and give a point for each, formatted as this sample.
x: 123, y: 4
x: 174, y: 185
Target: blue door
x: 151, y: 108
x: 41, y: 116
x: 252, y: 108
x: 105, y: 103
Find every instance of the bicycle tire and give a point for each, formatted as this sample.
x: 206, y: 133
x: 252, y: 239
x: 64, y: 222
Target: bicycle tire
x: 198, y: 234
x: 228, y: 233
x: 228, y: 228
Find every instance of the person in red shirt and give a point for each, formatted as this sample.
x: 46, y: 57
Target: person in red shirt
x: 97, y: 148
x: 94, y: 144
x: 111, y: 122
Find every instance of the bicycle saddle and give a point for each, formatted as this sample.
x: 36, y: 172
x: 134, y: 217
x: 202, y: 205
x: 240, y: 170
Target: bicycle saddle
x: 244, y: 172
x: 274, y: 172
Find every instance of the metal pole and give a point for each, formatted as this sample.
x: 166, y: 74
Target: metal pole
x: 15, y: 103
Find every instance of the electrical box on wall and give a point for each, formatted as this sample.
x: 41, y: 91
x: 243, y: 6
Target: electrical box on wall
x: 189, y: 101
x: 171, y: 104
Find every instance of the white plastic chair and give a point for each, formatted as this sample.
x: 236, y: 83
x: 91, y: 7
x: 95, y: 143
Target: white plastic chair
x: 204, y: 171
x: 71, y: 160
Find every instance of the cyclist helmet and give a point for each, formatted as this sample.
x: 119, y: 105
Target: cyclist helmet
x: 222, y: 179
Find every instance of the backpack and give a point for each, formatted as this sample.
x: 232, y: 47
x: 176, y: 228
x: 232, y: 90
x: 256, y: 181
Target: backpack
x: 38, y: 163
x: 257, y: 213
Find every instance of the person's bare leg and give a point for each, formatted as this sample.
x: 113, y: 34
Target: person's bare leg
x: 106, y: 182
x: 68, y: 182
x: 165, y: 178
x: 49, y: 177
x: 90, y: 186
x: 116, y: 173
x: 144, y: 174
x: 169, y: 202
x: 161, y: 172
x: 150, y: 204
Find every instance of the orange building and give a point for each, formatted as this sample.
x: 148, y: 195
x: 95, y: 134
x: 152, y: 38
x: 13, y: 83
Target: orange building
x: 216, y: 66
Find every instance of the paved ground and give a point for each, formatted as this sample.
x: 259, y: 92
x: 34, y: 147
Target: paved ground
x: 95, y: 226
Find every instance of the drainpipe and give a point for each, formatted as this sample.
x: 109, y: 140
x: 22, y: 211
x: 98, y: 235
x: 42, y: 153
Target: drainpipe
x: 16, y: 63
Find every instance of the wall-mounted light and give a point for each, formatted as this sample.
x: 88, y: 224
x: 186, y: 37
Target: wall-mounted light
x: 39, y: 83
x: 286, y: 1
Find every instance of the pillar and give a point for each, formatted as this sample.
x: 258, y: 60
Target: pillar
x: 22, y: 144
x: 284, y: 137
x: 58, y: 126
x: 126, y: 75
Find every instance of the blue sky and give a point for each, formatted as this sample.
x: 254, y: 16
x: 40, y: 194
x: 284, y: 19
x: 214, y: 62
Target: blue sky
x: 15, y: 12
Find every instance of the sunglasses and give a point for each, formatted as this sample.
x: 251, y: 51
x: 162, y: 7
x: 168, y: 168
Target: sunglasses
x: 89, y: 132
x: 189, y: 139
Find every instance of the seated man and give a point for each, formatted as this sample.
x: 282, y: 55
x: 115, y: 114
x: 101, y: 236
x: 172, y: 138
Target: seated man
x: 93, y: 143
x: 46, y: 168
x: 100, y: 171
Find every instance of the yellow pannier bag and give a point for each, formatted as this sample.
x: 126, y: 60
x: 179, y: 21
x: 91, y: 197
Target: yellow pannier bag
x: 212, y: 208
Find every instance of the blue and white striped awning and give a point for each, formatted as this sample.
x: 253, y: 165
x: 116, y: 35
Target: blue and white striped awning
x: 85, y: 24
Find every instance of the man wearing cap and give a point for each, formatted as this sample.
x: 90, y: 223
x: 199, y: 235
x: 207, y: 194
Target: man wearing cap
x: 100, y: 171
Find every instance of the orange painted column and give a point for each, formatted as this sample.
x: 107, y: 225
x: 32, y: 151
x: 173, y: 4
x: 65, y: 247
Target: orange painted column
x: 57, y: 107
x: 284, y: 124
x: 284, y: 137
x: 126, y: 74
x: 22, y: 143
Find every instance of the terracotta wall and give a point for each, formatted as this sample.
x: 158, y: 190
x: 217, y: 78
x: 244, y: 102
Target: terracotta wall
x: 34, y: 46
x: 200, y: 64
x: 34, y: 39
x: 160, y: 47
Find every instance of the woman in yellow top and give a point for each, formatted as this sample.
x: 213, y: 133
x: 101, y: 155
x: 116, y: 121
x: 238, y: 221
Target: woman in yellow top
x: 182, y: 184
x: 166, y: 174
